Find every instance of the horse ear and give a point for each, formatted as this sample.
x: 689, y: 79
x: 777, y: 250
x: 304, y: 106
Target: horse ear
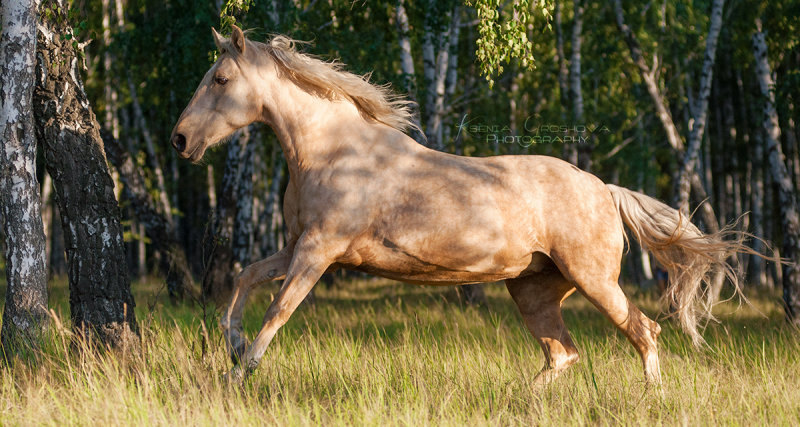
x: 218, y: 39
x: 237, y: 38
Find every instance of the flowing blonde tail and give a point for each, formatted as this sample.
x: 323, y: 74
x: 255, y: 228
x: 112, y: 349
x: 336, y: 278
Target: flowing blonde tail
x: 690, y: 257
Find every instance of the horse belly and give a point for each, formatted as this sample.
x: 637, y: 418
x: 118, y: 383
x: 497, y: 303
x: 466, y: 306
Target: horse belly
x: 442, y: 265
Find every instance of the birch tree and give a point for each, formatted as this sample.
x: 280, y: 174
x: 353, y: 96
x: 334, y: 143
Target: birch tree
x: 699, y: 109
x: 787, y: 195
x: 158, y: 228
x: 101, y: 304
x: 584, y: 160
x: 649, y: 73
x: 25, y: 311
x: 218, y: 278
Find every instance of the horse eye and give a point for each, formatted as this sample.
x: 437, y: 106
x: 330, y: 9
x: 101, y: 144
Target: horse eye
x: 221, y: 80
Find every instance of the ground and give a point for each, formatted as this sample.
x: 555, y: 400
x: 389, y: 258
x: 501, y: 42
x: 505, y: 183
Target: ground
x: 375, y: 352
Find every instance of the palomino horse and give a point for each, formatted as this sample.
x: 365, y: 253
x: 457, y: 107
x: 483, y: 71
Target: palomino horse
x: 363, y: 195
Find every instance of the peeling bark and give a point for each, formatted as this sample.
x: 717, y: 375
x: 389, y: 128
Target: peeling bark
x: 101, y: 303
x: 25, y: 312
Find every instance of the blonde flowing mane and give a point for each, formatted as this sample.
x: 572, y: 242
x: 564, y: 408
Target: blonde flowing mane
x: 329, y: 80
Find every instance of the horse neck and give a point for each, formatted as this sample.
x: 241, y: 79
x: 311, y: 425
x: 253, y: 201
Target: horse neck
x: 311, y: 129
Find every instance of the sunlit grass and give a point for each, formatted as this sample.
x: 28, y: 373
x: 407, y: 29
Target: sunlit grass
x: 374, y: 352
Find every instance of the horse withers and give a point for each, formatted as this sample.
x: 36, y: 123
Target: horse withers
x: 363, y: 195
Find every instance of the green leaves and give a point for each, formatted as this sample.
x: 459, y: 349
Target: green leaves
x: 503, y: 38
x: 226, y: 16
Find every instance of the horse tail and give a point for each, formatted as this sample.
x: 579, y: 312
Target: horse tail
x: 690, y: 257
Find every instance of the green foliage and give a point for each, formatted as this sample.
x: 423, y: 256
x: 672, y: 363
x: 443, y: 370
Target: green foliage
x: 227, y: 18
x: 503, y: 38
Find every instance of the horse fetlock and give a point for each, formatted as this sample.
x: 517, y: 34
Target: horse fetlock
x: 562, y: 362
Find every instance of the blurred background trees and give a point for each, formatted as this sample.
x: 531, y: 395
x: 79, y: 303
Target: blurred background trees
x: 630, y: 90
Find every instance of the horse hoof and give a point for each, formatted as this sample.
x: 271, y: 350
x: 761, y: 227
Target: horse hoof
x: 234, y: 377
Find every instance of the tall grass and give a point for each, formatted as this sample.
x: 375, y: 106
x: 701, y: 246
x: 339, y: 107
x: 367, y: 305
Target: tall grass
x: 372, y: 352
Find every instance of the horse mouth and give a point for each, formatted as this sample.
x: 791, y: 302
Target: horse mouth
x: 195, y: 155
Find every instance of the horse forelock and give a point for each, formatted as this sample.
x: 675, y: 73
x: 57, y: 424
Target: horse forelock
x: 329, y: 80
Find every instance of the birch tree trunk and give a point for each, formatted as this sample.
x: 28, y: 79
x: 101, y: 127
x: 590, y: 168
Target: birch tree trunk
x: 242, y: 242
x: 570, y: 151
x: 162, y: 234
x: 674, y: 138
x: 429, y: 39
x: 25, y: 312
x: 451, y: 81
x: 218, y: 278
x: 435, y: 55
x: 152, y: 157
x: 787, y: 196
x: 584, y: 159
x: 100, y: 299
x: 407, y: 66
x: 406, y: 57
x: 649, y: 73
x: 699, y: 109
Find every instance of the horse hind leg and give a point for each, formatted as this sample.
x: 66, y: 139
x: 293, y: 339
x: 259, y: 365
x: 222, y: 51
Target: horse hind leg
x: 539, y: 299
x: 642, y: 332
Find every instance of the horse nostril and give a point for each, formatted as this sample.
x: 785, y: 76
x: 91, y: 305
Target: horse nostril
x: 179, y: 142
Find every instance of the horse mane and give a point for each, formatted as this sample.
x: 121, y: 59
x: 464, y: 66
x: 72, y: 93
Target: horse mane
x: 329, y: 80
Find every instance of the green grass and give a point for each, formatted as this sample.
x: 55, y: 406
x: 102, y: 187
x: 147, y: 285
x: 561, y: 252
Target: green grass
x: 374, y: 352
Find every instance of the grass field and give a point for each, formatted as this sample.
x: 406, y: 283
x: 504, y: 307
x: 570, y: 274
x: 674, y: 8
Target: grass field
x: 372, y: 352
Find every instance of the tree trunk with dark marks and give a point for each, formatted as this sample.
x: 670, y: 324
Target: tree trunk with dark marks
x: 700, y: 110
x: 407, y: 66
x: 218, y: 278
x: 584, y: 150
x: 674, y: 138
x: 25, y: 312
x: 570, y: 151
x: 161, y: 232
x: 787, y: 196
x: 101, y: 304
x: 243, y: 229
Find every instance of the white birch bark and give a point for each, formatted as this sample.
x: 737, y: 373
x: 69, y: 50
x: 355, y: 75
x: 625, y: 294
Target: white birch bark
x: 787, y: 195
x: 700, y: 108
x: 407, y: 66
x: 570, y: 152
x: 25, y: 309
x: 584, y: 150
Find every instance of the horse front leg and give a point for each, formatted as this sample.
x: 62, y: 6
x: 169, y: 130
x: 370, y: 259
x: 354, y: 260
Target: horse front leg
x: 309, y: 262
x: 271, y: 268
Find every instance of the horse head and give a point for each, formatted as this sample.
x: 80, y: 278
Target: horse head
x: 228, y: 98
